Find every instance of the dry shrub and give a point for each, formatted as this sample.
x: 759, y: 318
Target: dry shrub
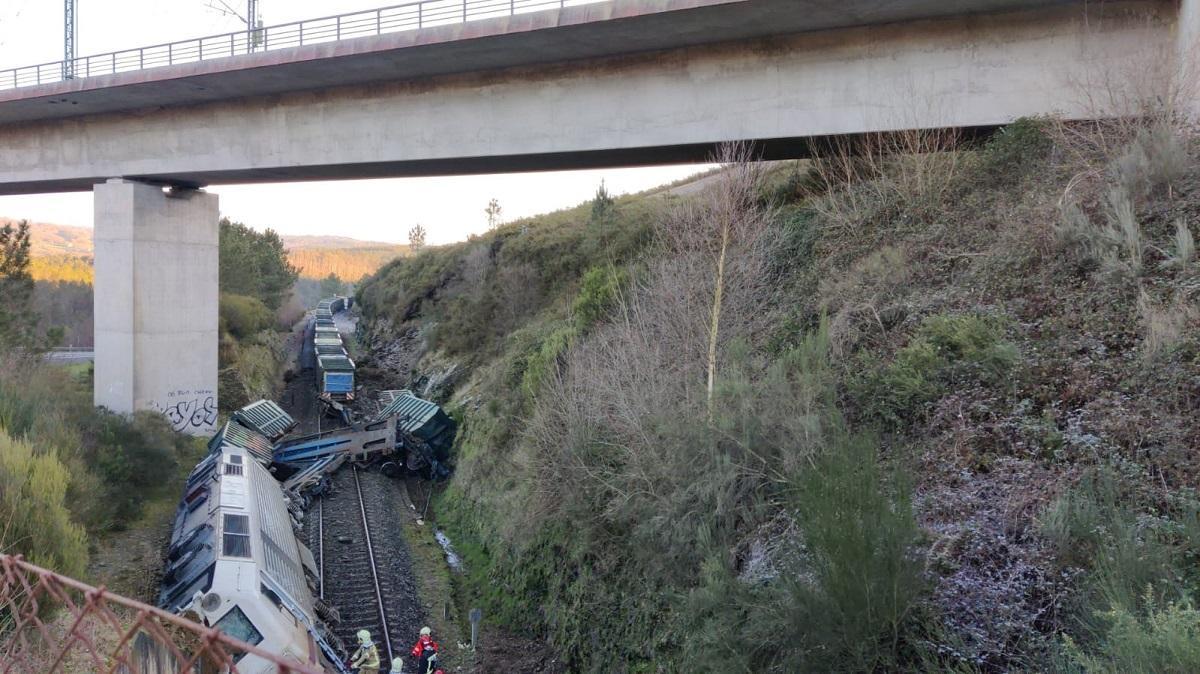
x: 630, y: 431
x: 875, y: 174
x: 1115, y: 245
x: 1165, y: 324
x: 1154, y: 85
x: 1182, y: 255
x: 718, y: 248
x: 853, y: 300
x: 1156, y: 156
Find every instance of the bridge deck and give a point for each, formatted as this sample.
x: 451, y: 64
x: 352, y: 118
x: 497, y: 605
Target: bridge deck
x: 557, y: 35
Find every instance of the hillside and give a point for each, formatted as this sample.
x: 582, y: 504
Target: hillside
x: 348, y: 264
x: 48, y: 240
x: 315, y: 256
x: 946, y: 421
x: 304, y: 242
x: 62, y: 268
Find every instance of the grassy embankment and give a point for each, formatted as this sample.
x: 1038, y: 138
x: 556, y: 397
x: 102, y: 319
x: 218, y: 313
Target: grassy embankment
x: 950, y: 421
x: 74, y: 478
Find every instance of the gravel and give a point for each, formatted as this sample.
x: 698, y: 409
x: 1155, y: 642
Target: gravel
x: 349, y: 585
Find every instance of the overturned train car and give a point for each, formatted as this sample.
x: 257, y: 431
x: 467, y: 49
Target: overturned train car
x: 235, y: 561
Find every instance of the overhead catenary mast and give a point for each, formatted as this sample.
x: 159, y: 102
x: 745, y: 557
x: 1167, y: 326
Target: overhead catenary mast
x: 70, y: 27
x: 253, y: 23
x: 252, y: 19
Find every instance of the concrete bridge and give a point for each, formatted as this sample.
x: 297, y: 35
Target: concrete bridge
x: 516, y: 87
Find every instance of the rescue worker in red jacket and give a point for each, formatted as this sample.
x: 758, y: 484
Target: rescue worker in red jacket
x: 425, y: 651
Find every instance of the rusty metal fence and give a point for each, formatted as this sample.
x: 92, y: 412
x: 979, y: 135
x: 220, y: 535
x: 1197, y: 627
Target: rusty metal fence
x: 392, y: 19
x: 51, y: 623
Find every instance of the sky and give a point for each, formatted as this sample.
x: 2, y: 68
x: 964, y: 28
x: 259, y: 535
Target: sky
x: 450, y: 208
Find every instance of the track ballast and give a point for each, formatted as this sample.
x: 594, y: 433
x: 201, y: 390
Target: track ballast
x: 347, y: 575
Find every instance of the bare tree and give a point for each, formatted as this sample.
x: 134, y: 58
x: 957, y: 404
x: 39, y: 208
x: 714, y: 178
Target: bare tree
x: 416, y: 237
x: 722, y: 236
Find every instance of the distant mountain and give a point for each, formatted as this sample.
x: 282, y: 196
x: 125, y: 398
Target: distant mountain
x: 56, y: 246
x: 49, y: 240
x: 332, y: 242
x: 349, y: 264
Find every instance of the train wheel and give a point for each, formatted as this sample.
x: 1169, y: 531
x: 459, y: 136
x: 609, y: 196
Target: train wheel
x: 391, y: 469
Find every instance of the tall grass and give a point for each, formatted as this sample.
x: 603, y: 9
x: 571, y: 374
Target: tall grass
x: 1135, y: 611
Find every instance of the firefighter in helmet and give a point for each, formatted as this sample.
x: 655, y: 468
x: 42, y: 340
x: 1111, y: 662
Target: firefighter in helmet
x: 366, y: 658
x: 425, y: 651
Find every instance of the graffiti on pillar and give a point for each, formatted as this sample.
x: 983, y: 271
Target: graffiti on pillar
x: 188, y: 410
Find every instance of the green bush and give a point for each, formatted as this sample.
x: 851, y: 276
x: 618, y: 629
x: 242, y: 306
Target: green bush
x: 243, y: 316
x: 1014, y: 148
x: 115, y: 463
x: 133, y: 457
x: 946, y: 349
x: 844, y: 603
x: 545, y: 359
x: 598, y: 293
x: 37, y: 523
x: 860, y: 532
x: 1165, y: 639
x: 1135, y: 610
x: 1093, y: 526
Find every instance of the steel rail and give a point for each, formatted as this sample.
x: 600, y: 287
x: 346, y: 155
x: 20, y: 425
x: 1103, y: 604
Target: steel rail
x: 321, y: 546
x: 387, y: 639
x: 412, y: 15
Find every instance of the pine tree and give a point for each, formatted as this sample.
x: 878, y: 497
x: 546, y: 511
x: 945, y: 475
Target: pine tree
x: 416, y: 237
x: 332, y: 285
x: 603, y: 206
x: 255, y: 265
x: 17, y: 319
x: 493, y: 211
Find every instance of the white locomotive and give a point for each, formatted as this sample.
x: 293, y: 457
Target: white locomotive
x: 235, y: 561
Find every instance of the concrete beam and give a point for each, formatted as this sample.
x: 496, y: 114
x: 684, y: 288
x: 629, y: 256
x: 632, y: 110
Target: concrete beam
x: 156, y: 303
x: 551, y: 36
x: 970, y: 71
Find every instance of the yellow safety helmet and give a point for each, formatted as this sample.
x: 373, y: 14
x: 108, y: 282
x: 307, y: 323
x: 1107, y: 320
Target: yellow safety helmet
x: 364, y: 636
x: 425, y: 631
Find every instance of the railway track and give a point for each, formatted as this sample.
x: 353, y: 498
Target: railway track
x: 365, y: 569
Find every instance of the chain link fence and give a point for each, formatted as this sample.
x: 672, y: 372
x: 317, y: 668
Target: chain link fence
x: 51, y: 623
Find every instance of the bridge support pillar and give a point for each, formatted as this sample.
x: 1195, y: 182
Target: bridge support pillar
x: 1187, y: 45
x: 156, y: 302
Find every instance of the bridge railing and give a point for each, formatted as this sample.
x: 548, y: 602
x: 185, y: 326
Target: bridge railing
x: 391, y: 19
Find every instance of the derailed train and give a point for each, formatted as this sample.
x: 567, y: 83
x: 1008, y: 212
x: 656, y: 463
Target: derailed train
x: 335, y: 368
x: 236, y: 561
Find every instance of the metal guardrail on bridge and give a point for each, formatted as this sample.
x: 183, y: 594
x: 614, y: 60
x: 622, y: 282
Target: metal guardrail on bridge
x: 392, y: 19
